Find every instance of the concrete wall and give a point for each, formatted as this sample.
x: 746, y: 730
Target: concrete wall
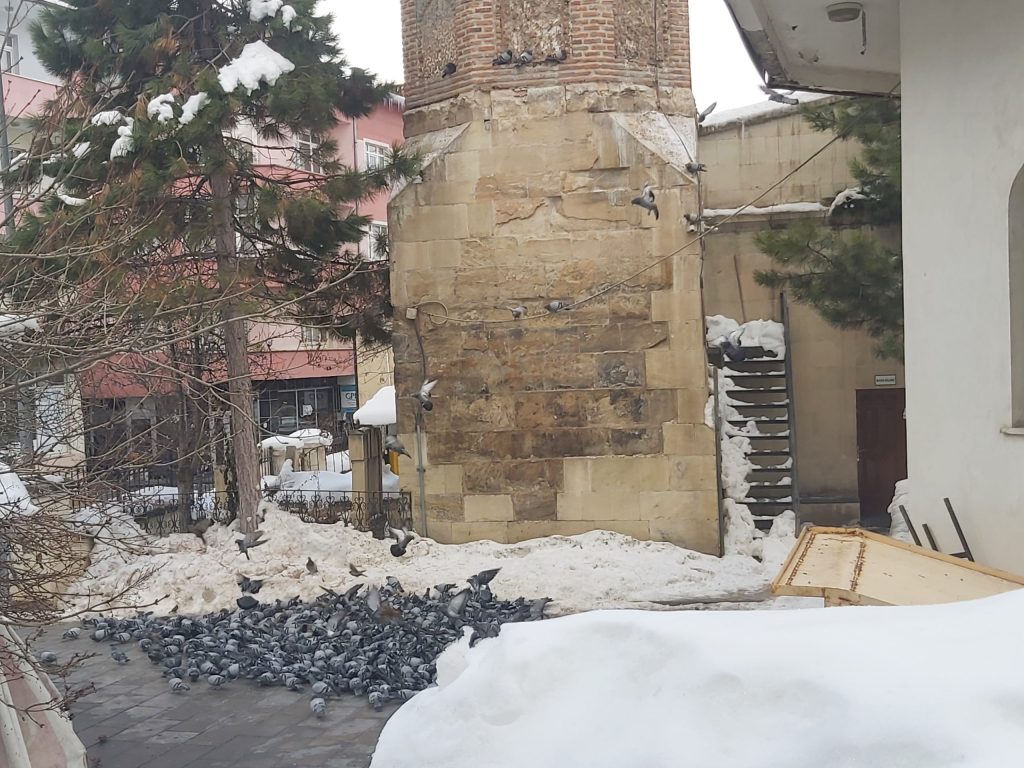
x: 963, y: 145
x: 829, y: 365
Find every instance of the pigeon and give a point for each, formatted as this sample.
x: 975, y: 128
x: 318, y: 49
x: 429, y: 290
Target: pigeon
x: 216, y: 681
x: 99, y: 635
x: 321, y: 688
x: 247, y: 602
x: 503, y: 59
x: 556, y: 306
x: 524, y: 58
x: 518, y: 313
x: 119, y: 656
x: 392, y: 443
x: 200, y: 527
x: 249, y: 541
x: 311, y: 566
x: 457, y: 605
x: 293, y: 683
x: 402, y: 537
x: 695, y: 168
x: 71, y: 634
x: 318, y: 707
x: 449, y: 70
x: 778, y: 97
x: 646, y: 201
x: 355, y: 571
x: 482, y: 579
x: 556, y: 58
x: 250, y: 586
x: 177, y: 685
x: 706, y: 112
x: 48, y: 657
x: 424, y: 394
x: 537, y: 608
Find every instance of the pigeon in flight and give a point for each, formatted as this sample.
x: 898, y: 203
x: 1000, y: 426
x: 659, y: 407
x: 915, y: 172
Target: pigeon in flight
x: 695, y: 168
x: 457, y: 605
x: 503, y: 59
x: 424, y: 394
x: 706, y: 112
x: 402, y: 538
x: 355, y: 571
x: 778, y: 97
x: 249, y: 541
x: 526, y: 57
x: 482, y: 579
x: 556, y: 58
x: 392, y: 443
x: 311, y: 566
x: 518, y: 313
x: 646, y: 201
x: 449, y: 70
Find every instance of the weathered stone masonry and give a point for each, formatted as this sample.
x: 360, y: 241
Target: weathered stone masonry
x: 579, y: 420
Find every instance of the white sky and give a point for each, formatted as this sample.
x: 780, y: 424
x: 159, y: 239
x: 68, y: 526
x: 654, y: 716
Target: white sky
x: 371, y: 37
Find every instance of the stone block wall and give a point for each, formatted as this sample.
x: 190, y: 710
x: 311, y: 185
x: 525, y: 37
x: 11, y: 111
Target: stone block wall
x: 567, y: 422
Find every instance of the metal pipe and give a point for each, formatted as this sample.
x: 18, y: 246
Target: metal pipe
x: 422, y: 471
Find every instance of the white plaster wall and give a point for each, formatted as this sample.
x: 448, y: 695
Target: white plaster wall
x: 963, y: 144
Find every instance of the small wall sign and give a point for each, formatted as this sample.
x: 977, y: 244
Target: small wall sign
x: 885, y: 380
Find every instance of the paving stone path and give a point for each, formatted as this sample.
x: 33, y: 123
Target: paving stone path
x: 133, y: 720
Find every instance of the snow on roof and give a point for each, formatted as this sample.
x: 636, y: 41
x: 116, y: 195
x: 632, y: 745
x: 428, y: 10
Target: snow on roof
x: 257, y: 63
x: 759, y: 112
x: 379, y: 411
x: 632, y: 688
x: 753, y: 210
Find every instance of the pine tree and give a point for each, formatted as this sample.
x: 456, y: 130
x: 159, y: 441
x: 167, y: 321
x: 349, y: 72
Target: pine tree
x: 161, y: 172
x: 851, y: 271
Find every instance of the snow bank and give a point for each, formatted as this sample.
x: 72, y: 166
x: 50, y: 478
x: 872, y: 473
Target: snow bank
x: 339, y: 462
x: 628, y: 688
x: 899, y: 529
x: 280, y: 443
x: 294, y: 486
x: 14, y: 497
x: 17, y: 325
x: 600, y: 569
x: 313, y: 438
x: 257, y: 63
x: 379, y: 411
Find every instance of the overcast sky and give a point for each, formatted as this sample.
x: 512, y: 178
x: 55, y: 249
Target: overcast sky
x: 370, y: 32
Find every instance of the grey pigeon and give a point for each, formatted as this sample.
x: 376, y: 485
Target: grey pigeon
x: 537, y: 608
x: 293, y: 683
x: 556, y: 58
x: 392, y: 443
x: 311, y: 566
x: 457, y: 605
x: 524, y: 58
x: 318, y: 707
x: 646, y: 201
x: 518, y: 313
x: 247, y: 602
x: 119, y: 656
x: 320, y: 688
x: 402, y: 537
x: 706, y: 112
x: 503, y: 59
x: 216, y: 681
x: 249, y: 541
x: 99, y: 634
x: 778, y: 97
x: 449, y: 70
x: 482, y: 579
x: 424, y: 394
x: 355, y: 571
x: 48, y: 657
x: 556, y: 306
x: 695, y: 168
x: 71, y: 634
x: 177, y: 685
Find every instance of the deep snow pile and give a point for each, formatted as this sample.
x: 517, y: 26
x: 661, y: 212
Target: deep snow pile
x: 628, y: 688
x: 901, y: 497
x: 593, y: 570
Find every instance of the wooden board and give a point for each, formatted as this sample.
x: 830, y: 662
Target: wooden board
x: 851, y: 566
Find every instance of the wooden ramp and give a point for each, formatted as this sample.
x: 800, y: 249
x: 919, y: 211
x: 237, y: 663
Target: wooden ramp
x: 851, y: 566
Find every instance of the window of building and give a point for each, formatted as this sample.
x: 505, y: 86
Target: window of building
x: 12, y: 58
x: 378, y: 248
x: 312, y: 336
x: 376, y: 155
x: 245, y: 218
x: 305, y: 145
x: 1017, y: 301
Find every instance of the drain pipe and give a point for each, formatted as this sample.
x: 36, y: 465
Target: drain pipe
x: 422, y: 472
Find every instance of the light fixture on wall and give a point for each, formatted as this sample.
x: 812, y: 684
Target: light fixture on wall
x: 842, y: 12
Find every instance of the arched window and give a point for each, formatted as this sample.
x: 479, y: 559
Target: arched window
x: 1017, y: 300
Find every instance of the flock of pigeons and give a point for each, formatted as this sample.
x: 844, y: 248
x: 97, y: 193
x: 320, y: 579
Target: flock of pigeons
x: 509, y: 58
x: 381, y: 642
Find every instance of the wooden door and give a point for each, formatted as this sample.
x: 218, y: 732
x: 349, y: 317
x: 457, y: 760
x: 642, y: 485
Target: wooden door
x: 881, y: 448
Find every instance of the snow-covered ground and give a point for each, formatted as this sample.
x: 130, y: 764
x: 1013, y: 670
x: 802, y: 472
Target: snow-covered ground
x: 787, y: 689
x: 593, y: 570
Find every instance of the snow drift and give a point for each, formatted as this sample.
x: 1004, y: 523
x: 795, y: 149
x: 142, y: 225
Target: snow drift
x: 702, y: 689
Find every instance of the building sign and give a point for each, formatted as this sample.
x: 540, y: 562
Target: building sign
x: 885, y: 380
x: 349, y: 397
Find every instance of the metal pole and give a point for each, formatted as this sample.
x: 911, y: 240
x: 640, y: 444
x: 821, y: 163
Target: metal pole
x: 422, y: 470
x: 5, y: 149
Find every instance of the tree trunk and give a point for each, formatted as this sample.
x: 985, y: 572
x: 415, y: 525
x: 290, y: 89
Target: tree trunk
x: 243, y: 435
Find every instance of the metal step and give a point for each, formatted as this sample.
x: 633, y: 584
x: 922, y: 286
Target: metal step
x: 768, y: 490
x: 756, y: 366
x: 760, y: 422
